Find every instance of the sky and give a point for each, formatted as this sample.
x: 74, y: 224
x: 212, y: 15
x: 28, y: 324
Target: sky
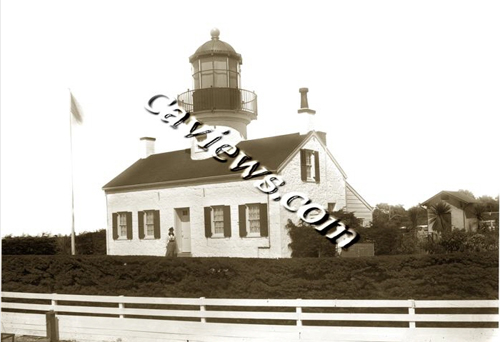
x: 407, y: 92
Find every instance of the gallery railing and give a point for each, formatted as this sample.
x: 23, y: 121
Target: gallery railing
x: 218, y: 98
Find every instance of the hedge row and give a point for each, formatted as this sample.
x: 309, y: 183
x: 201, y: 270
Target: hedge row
x: 450, y: 276
x: 86, y: 243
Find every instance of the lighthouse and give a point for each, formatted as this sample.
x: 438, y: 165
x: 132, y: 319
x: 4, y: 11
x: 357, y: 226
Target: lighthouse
x: 217, y: 98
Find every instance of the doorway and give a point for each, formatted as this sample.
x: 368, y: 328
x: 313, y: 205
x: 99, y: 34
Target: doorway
x: 184, y: 229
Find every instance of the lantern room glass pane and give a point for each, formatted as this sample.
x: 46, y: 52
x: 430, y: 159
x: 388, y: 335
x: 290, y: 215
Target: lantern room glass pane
x: 206, y: 64
x: 232, y: 65
x: 220, y: 63
x: 233, y: 80
x: 196, y: 79
x: 207, y: 79
x: 221, y: 79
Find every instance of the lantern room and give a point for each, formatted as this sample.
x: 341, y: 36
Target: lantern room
x: 216, y: 64
x: 217, y: 98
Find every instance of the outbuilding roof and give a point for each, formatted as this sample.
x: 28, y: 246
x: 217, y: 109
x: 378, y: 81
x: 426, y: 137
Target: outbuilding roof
x: 177, y: 166
x: 457, y: 194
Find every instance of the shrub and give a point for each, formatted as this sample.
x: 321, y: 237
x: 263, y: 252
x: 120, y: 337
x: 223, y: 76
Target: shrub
x: 453, y: 241
x: 448, y: 276
x: 37, y: 245
x: 388, y: 241
x: 86, y: 243
x: 307, y: 242
x: 461, y: 241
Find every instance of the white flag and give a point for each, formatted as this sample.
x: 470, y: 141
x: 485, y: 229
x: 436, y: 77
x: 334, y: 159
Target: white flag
x: 75, y: 109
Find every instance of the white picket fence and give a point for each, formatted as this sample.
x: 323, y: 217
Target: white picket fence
x: 119, y: 318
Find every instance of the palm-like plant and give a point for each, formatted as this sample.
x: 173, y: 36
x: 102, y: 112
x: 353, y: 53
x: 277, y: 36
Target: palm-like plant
x: 478, y: 211
x: 439, y: 217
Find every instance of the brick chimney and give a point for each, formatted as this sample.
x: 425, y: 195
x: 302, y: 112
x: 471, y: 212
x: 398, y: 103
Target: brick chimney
x: 147, y: 146
x: 307, y: 115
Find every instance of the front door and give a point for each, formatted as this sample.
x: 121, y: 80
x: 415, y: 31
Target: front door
x: 184, y: 229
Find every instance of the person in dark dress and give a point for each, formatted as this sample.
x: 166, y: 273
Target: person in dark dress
x: 172, y: 244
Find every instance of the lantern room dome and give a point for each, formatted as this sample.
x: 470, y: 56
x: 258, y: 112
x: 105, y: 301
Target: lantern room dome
x: 215, y: 46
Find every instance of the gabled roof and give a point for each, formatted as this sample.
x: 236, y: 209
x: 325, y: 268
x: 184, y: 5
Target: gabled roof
x: 457, y: 194
x: 178, y: 166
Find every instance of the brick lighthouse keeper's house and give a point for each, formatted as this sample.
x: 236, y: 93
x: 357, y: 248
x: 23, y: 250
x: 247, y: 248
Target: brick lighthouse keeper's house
x: 214, y: 211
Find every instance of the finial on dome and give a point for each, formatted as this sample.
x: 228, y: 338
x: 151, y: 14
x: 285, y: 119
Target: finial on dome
x: 215, y: 33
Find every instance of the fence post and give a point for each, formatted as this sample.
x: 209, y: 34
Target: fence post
x: 299, y: 312
x: 411, y: 311
x: 202, y: 309
x: 51, y: 323
x: 121, y: 306
x: 53, y: 303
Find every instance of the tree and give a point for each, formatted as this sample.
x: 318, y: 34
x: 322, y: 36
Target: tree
x: 390, y: 216
x: 467, y: 192
x: 417, y: 216
x: 489, y: 203
x: 478, y: 211
x: 440, y: 217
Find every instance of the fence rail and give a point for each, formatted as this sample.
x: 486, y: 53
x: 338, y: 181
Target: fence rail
x: 207, y: 319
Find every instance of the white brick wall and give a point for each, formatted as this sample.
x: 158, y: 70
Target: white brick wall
x: 330, y: 189
x: 196, y: 198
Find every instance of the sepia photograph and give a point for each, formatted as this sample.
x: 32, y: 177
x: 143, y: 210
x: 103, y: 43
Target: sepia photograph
x: 206, y: 171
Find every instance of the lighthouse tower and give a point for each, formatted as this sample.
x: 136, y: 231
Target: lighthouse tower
x: 217, y: 98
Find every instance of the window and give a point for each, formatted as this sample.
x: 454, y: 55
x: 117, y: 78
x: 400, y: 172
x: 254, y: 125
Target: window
x: 217, y: 221
x: 150, y: 229
x: 309, y: 164
x: 149, y: 224
x: 253, y: 220
x: 122, y: 225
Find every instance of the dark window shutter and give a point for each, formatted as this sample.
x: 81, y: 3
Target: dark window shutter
x: 316, y: 166
x: 115, y: 226
x: 243, y: 220
x: 129, y: 225
x: 140, y: 217
x: 157, y: 223
x: 264, y: 226
x: 227, y: 221
x: 208, y: 222
x: 303, y: 172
